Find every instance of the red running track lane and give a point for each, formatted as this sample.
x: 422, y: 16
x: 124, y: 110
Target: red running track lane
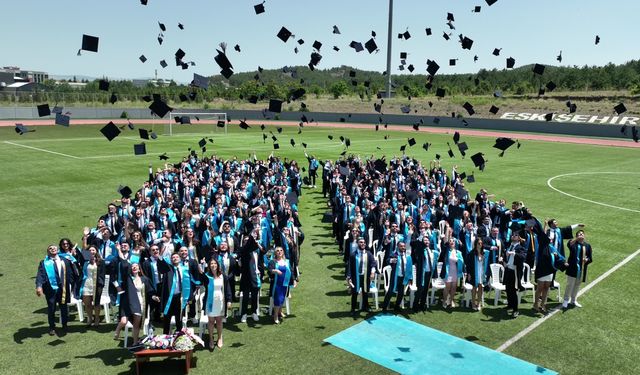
x: 424, y: 129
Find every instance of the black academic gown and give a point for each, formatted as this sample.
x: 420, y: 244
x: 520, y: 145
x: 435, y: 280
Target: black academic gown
x: 53, y: 296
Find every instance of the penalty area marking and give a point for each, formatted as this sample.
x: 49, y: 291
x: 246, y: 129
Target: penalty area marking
x: 626, y: 260
x: 589, y: 200
x: 43, y: 150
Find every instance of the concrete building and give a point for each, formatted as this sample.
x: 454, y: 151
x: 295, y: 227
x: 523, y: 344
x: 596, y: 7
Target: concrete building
x: 13, y: 74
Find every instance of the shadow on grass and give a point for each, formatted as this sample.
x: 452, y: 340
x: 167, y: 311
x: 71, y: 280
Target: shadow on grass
x: 321, y: 254
x: 336, y: 266
x: 324, y: 243
x: 30, y: 333
x: 110, y: 357
x: 338, y: 293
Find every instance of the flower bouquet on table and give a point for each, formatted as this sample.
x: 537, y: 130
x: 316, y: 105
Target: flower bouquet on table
x: 186, y: 340
x: 158, y: 342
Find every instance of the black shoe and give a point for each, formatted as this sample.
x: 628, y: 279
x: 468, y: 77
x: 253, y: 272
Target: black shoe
x: 354, y: 313
x: 52, y: 332
x: 515, y: 314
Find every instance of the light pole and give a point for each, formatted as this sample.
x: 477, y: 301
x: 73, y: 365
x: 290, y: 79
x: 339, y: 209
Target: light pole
x: 389, y: 40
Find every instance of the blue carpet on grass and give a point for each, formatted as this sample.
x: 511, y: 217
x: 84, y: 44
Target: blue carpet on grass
x: 411, y: 348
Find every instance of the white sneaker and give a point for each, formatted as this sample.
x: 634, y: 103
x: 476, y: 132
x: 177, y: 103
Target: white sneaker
x: 194, y: 320
x: 576, y: 304
x: 244, y: 318
x: 565, y: 304
x: 255, y: 317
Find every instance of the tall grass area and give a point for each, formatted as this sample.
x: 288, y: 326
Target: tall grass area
x: 46, y: 196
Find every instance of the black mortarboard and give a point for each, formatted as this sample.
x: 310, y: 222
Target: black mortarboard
x: 426, y: 146
x: 452, y: 62
x: 456, y: 137
x: 620, y: 108
x: 163, y: 63
x: 432, y: 67
x: 477, y: 9
x: 113, y: 99
x: 160, y: 108
x: 411, y: 141
x: 511, y: 62
x: 183, y: 97
x: 491, y: 2
x: 224, y: 63
x: 551, y: 86
x: 185, y: 120
x: 347, y: 142
x: 243, y: 125
x: 180, y: 26
x: 139, y: 149
x: 202, y: 143
x: 541, y: 91
x: 597, y: 39
x: 496, y: 51
x: 559, y: 58
x: 410, y: 68
x: 144, y: 133
x: 471, y: 179
x: 403, y: 148
x: 428, y: 31
x: 275, y: 105
x: 371, y: 45
x: 357, y: 46
x: 467, y: 106
x: 336, y: 30
x: 125, y: 191
x: 335, y: 48
x: 62, y: 119
x: 89, y: 43
x: 147, y: 98
x: 293, y: 142
x: 406, y: 35
x: 153, y: 135
x: 503, y: 143
x: 300, y: 41
x: 330, y: 137
x: 405, y: 109
x: 284, y: 34
x: 478, y: 160
x: 317, y: 45
x: 466, y: 43
x: 259, y: 8
x: 103, y: 85
x: 450, y: 152
x: 279, y: 130
x: 440, y: 92
x: 200, y: 81
x: 56, y: 109
x: 110, y: 131
x: 572, y: 107
x: 162, y: 26
x: 43, y: 110
x: 276, y: 146
x: 403, y: 55
x: 538, y: 69
x: 462, y: 176
x: 220, y: 124
x: 21, y: 129
x: 179, y: 55
x: 494, y: 110
x: 548, y: 116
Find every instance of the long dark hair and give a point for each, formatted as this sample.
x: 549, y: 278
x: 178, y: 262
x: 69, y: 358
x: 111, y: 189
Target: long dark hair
x: 218, y: 269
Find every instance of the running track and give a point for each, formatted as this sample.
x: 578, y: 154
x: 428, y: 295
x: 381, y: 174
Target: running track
x: 424, y: 129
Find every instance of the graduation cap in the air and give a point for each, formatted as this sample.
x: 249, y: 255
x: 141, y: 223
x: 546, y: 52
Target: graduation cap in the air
x: 597, y: 39
x: 551, y: 86
x: 125, y: 191
x: 511, y: 62
x: 440, y: 92
x: 426, y: 146
x: 469, y: 108
x: 259, y: 8
x: 163, y: 63
x: 432, y: 67
x: 538, y: 69
x: 466, y: 43
x: 456, y: 137
x: 90, y: 43
x: 356, y: 46
x: 62, y: 119
x: 163, y: 156
x: 496, y: 51
x: 572, y: 107
x: 202, y: 143
x: 110, y: 131
x: 477, y: 9
x: 293, y: 142
x: 275, y: 105
x: 336, y: 30
x: 371, y: 45
x: 224, y: 64
x: 21, y: 129
x: 243, y: 125
x: 284, y: 34
x: 503, y: 143
x: 139, y: 149
x: 478, y: 160
x: 144, y: 133
x: 180, y: 26
x: 471, y: 179
x: 548, y: 116
x: 452, y: 62
x: 491, y: 2
x: 162, y: 26
x: 113, y: 98
x: 56, y: 109
x: 200, y: 81
x: 103, y: 85
x: 450, y: 152
x: 494, y: 110
x: 160, y: 108
x: 403, y: 148
x: 317, y: 45
x: 559, y: 57
x: 634, y: 134
x: 436, y: 120
x: 620, y: 108
x: 411, y: 141
x: 276, y: 146
x: 44, y: 110
x: 405, y: 109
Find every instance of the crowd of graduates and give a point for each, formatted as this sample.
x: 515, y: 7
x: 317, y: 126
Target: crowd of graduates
x: 183, y: 242
x: 421, y: 224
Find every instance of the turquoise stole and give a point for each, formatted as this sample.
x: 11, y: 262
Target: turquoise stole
x: 287, y: 274
x: 50, y: 269
x: 186, y: 287
x: 210, y: 290
x: 358, y: 267
x: 408, y: 272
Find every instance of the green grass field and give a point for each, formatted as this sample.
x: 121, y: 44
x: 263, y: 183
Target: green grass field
x: 46, y: 196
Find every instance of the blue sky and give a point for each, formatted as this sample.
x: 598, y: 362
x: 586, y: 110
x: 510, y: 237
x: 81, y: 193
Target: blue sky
x: 45, y: 35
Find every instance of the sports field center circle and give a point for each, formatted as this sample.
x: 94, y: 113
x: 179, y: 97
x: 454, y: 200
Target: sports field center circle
x: 585, y: 199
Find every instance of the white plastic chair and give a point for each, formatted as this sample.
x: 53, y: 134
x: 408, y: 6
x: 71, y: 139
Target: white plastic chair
x: 497, y: 273
x: 374, y: 247
x: 105, y: 300
x: 556, y: 285
x: 345, y: 242
x: 526, y: 282
x: 78, y: 304
x: 466, y: 295
x: 370, y: 236
x: 413, y: 288
x: 129, y: 326
x: 437, y: 283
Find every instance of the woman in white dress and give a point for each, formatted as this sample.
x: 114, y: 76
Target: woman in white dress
x: 91, y: 283
x: 217, y: 295
x: 452, y: 270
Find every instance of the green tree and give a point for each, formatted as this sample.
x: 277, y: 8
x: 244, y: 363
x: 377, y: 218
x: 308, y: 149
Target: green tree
x: 338, y: 88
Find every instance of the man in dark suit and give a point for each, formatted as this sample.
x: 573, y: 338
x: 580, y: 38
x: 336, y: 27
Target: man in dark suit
x: 55, y: 279
x: 250, y: 280
x: 580, y: 256
x: 401, y: 275
x: 422, y: 255
x: 113, y: 221
x: 150, y: 269
x: 194, y: 277
x: 515, y: 257
x: 360, y: 273
x: 175, y: 284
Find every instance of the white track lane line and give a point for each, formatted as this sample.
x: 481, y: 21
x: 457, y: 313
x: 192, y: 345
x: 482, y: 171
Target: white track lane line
x: 42, y: 150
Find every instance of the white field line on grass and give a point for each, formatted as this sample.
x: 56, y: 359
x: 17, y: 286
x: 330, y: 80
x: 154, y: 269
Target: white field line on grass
x: 626, y: 260
x: 42, y: 150
x: 588, y: 200
x: 538, y: 322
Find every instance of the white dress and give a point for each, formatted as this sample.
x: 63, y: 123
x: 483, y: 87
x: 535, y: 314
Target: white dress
x: 89, y: 287
x: 218, y: 298
x: 452, y: 276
